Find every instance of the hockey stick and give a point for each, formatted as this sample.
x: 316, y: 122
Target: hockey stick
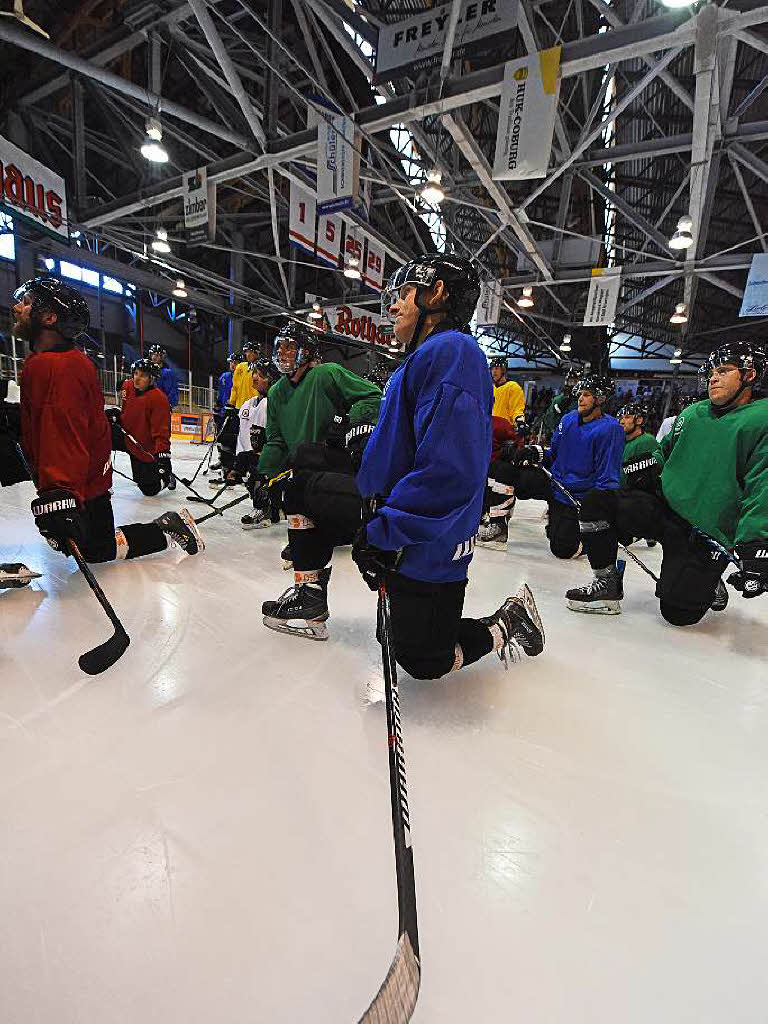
x: 207, y: 456
x: 577, y: 505
x: 100, y: 658
x: 236, y: 501
x: 181, y: 479
x: 395, y: 1001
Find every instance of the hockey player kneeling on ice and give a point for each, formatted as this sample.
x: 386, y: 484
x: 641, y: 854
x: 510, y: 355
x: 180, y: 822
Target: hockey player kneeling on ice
x: 714, y: 480
x: 639, y: 447
x: 66, y: 436
x: 424, y: 467
x: 304, y: 409
x: 251, y: 438
x: 499, y: 501
x: 143, y: 429
x: 585, y: 453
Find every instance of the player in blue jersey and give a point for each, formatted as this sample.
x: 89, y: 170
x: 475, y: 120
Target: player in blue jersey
x: 585, y: 453
x: 416, y: 504
x: 168, y: 382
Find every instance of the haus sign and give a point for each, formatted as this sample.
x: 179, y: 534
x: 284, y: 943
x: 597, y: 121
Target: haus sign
x: 32, y: 191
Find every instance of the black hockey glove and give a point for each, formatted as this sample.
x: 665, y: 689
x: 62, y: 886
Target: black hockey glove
x: 113, y: 414
x: 643, y: 474
x: 529, y: 455
x: 12, y: 469
x: 752, y: 580
x: 356, y: 440
x: 260, y: 490
x: 57, y: 517
x: 164, y: 465
x: 522, y: 427
x: 258, y: 438
x: 373, y: 562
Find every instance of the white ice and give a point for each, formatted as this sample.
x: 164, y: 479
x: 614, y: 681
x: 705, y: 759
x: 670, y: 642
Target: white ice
x: 203, y: 833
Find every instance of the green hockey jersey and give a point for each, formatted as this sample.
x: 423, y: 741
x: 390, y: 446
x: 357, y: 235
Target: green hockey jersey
x: 643, y: 444
x: 716, y: 470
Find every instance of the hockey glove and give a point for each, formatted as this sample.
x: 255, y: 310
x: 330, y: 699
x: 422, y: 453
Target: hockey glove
x: 58, y: 518
x: 258, y: 438
x: 356, y: 440
x: 260, y: 491
x: 113, y: 414
x: 752, y: 580
x: 643, y: 474
x: 529, y: 455
x: 373, y: 562
x: 522, y: 427
x: 164, y: 465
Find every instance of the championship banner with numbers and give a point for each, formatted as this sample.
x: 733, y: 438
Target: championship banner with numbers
x: 373, y: 268
x: 408, y: 46
x: 301, y: 218
x: 354, y: 242
x: 603, y: 297
x: 489, y: 304
x: 529, y: 96
x: 329, y: 231
x: 33, y: 192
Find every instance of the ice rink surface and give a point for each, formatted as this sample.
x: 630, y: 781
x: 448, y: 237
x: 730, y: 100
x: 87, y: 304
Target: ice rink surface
x: 203, y: 832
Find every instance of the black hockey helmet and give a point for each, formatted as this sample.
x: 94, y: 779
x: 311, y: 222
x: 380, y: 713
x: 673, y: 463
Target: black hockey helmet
x: 145, y: 365
x: 235, y: 357
x: 498, y: 363
x: 51, y: 295
x: 461, y: 278
x: 743, y: 354
x: 266, y: 368
x: 298, y: 335
x: 632, y: 409
x: 250, y: 346
x: 597, y: 385
x: 157, y: 350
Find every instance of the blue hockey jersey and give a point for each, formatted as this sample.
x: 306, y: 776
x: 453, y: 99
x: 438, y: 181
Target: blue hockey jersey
x: 224, y: 390
x: 587, y: 455
x: 428, y: 457
x: 169, y: 385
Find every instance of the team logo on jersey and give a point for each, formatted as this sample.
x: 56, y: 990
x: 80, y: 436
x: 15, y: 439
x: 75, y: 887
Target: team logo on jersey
x: 464, y: 549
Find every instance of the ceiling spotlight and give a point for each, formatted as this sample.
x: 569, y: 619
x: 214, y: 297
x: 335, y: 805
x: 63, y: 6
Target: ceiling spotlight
x: 677, y: 352
x: 180, y: 291
x: 677, y: 3
x: 433, y: 191
x: 352, y: 268
x: 316, y: 313
x: 675, y: 360
x: 526, y: 299
x: 565, y: 345
x: 160, y: 241
x: 682, y: 238
x: 153, y: 148
x: 680, y: 316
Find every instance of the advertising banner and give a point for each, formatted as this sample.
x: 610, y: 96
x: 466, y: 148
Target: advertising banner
x: 337, y: 164
x: 755, y: 301
x: 196, y: 208
x: 489, y: 305
x: 529, y: 98
x: 603, y: 296
x: 33, y: 192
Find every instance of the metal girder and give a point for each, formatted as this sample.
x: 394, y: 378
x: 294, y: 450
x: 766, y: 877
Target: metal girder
x: 78, y: 140
x: 750, y: 161
x: 652, y: 268
x: 152, y: 101
x: 477, y: 160
x: 725, y: 286
x: 643, y: 295
x: 627, y: 211
x: 748, y: 201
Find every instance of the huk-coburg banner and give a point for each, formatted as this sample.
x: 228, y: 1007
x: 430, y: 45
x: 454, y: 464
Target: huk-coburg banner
x: 28, y: 189
x: 529, y: 98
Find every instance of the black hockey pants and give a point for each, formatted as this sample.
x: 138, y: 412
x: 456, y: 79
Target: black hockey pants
x: 100, y: 544
x: 529, y: 482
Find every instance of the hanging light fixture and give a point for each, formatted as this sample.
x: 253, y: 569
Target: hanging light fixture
x: 526, y: 299
x: 682, y: 238
x: 565, y: 345
x: 316, y: 313
x: 433, y: 191
x: 677, y: 352
x: 677, y: 4
x: 352, y: 268
x: 680, y: 316
x: 180, y: 291
x: 153, y: 148
x: 160, y: 241
x: 675, y: 360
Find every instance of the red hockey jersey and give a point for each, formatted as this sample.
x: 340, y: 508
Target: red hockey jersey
x: 147, y: 416
x: 65, y: 433
x: 128, y: 388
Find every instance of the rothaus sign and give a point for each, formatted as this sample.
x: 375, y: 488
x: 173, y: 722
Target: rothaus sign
x: 410, y: 46
x: 32, y: 191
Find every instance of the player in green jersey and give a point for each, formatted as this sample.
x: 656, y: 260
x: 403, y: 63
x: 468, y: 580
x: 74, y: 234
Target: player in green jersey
x: 639, y: 448
x: 714, y: 482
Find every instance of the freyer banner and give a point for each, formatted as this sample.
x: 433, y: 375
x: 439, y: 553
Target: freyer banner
x: 527, y: 111
x: 32, y: 191
x: 409, y: 46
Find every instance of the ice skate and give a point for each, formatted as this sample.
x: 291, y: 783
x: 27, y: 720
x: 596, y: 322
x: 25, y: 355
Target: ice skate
x: 180, y: 528
x: 603, y: 596
x: 305, y: 603
x: 493, y: 532
x: 256, y: 520
x: 15, y: 575
x: 520, y: 625
x: 285, y: 555
x: 720, y: 600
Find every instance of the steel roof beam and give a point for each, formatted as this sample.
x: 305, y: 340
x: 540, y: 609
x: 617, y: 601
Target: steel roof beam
x: 624, y: 208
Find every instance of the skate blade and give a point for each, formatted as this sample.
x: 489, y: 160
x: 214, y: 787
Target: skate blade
x: 255, y: 526
x: 186, y: 515
x: 596, y: 607
x: 526, y: 596
x: 312, y: 630
x: 492, y: 545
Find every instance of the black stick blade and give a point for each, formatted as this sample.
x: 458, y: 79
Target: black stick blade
x: 98, y: 660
